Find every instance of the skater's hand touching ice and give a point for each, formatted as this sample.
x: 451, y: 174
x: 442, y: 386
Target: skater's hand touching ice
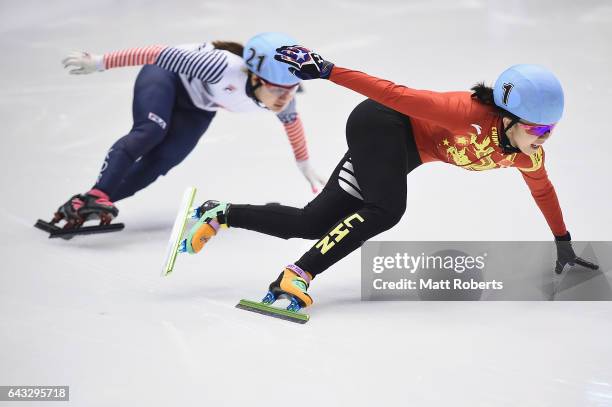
x: 567, y: 256
x: 311, y: 176
x: 83, y: 62
x: 304, y: 63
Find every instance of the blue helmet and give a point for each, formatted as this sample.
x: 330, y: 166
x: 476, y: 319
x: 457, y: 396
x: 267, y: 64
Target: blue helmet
x: 259, y: 57
x: 531, y: 92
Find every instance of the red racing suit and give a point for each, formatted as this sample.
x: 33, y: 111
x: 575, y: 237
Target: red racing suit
x: 457, y: 129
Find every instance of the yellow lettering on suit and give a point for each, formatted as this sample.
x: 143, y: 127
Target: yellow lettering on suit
x: 338, y: 233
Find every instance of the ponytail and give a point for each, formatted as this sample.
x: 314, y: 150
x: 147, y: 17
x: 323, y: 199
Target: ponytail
x: 233, y: 47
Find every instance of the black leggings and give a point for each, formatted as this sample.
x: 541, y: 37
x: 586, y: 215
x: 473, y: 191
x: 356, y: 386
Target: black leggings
x: 365, y: 195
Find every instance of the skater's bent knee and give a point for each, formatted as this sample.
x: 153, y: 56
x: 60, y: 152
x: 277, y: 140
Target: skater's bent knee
x: 387, y: 216
x: 144, y: 136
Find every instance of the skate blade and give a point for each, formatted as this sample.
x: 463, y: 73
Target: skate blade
x: 271, y: 311
x: 86, y: 230
x: 49, y: 228
x: 45, y: 226
x: 67, y: 234
x: 178, y: 229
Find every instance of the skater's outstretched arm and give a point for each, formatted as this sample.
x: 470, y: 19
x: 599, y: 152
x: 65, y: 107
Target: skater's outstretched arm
x: 544, y: 194
x: 420, y: 104
x: 199, y: 61
x: 297, y: 138
x: 545, y: 197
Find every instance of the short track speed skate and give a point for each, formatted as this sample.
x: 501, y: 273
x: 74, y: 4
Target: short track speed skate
x: 93, y: 205
x: 206, y: 219
x: 291, y: 284
x: 185, y: 212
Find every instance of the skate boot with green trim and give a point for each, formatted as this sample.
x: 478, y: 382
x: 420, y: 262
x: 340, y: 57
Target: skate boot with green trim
x: 211, y: 215
x: 292, y: 285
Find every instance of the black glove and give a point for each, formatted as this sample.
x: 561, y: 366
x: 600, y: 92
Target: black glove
x: 305, y: 64
x: 566, y: 255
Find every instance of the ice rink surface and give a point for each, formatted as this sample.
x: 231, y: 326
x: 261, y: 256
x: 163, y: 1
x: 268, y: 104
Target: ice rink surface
x: 94, y: 313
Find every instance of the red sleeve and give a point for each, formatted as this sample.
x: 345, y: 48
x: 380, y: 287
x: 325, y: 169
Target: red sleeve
x: 442, y: 108
x: 545, y: 196
x: 297, y: 138
x: 133, y: 56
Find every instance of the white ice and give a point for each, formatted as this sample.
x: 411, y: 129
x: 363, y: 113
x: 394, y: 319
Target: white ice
x: 94, y: 313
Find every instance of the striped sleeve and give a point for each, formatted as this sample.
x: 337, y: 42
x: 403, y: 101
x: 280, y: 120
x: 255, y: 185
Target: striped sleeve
x: 133, y: 56
x: 207, y: 66
x: 295, y: 130
x: 297, y: 138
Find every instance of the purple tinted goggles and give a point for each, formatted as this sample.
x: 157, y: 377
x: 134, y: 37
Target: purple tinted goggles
x: 538, y: 130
